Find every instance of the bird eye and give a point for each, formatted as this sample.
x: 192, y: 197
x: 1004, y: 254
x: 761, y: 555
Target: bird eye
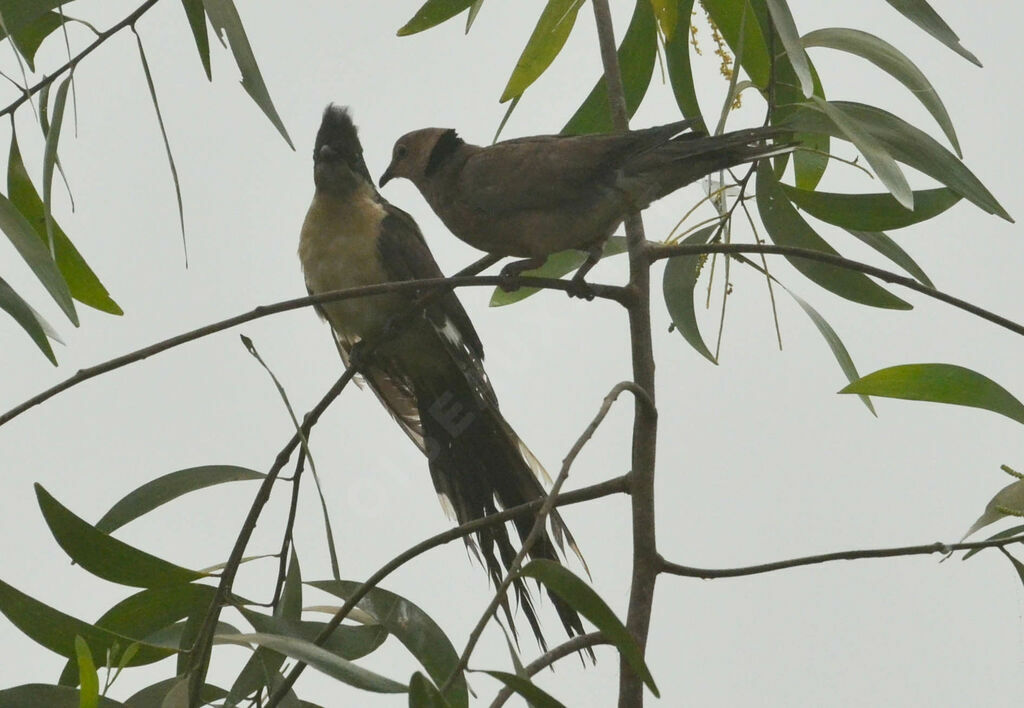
x: 400, y: 151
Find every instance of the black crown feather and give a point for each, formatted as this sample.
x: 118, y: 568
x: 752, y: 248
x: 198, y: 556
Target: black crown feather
x: 339, y: 132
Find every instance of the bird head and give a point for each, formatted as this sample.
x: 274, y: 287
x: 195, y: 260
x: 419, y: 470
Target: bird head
x: 417, y: 154
x: 338, y: 163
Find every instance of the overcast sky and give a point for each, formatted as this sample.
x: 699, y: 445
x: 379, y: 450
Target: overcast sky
x: 758, y: 458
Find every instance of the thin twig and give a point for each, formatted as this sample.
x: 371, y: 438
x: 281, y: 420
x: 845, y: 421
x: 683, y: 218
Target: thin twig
x: 931, y: 548
x: 618, y: 485
x: 568, y: 648
x: 539, y: 522
x: 289, y: 527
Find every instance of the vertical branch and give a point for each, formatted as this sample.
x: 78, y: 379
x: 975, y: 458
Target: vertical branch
x: 645, y: 422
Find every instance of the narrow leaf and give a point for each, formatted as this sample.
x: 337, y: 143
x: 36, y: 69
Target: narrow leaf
x: 167, y: 488
x: 318, y: 658
x: 782, y: 18
x: 871, y: 212
x: 350, y: 642
x: 105, y: 556
x: 557, y: 265
x: 50, y: 155
x: 1005, y: 533
x: 940, y: 383
x: 410, y: 625
x: 582, y: 598
x: 786, y: 227
x: 680, y: 72
x: 153, y: 696
x: 537, y: 697
x: 226, y: 22
x: 82, y: 282
x: 892, y: 61
x: 89, y: 696
x: 197, y: 21
x: 668, y: 13
x: 29, y: 37
x: 424, y: 694
x: 23, y: 314
x: 433, y: 13
x: 678, y: 282
x: 547, y: 40
x: 31, y: 695
x: 637, y: 54
x: 921, y: 14
x: 471, y: 15
x: 809, y: 164
x: 1008, y: 500
x: 729, y: 16
x: 891, y: 250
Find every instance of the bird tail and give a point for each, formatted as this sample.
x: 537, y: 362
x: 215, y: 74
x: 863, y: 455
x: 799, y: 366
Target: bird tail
x: 479, y: 465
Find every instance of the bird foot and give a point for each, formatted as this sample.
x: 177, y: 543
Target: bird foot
x: 508, y: 280
x: 578, y: 287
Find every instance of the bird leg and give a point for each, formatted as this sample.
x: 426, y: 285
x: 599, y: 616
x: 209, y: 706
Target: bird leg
x: 510, y: 273
x: 580, y: 287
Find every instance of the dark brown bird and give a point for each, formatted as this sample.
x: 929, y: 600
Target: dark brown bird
x: 430, y: 374
x: 531, y: 197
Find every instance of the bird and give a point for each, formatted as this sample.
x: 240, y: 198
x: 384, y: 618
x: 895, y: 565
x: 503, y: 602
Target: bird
x: 427, y: 371
x: 533, y: 196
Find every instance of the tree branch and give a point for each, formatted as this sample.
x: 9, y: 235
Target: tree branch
x: 618, y: 485
x: 945, y: 549
x: 548, y: 658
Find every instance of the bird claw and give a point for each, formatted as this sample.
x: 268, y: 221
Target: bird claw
x: 578, y: 287
x: 508, y: 280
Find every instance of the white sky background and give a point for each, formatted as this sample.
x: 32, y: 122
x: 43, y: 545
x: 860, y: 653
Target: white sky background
x: 758, y: 458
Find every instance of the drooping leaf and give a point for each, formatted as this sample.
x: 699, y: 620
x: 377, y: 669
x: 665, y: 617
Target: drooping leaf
x: 41, y: 694
x: 678, y: 282
x: 471, y: 15
x: 89, y: 694
x: 940, y: 383
x: 1008, y: 500
x: 582, y: 598
x: 891, y: 250
x: 410, y: 625
x: 871, y: 212
x: 921, y: 14
x: 105, y: 556
x: 23, y: 314
x: 547, y: 40
x: 531, y: 692
x: 680, y: 72
x: 225, y: 21
x: 637, y: 54
x: 50, y: 156
x: 167, y: 488
x: 318, y: 658
x: 433, y: 13
x: 892, y: 61
x: 909, y: 145
x: 81, y: 281
x: 557, y: 265
x: 350, y: 642
x: 18, y: 14
x: 289, y: 605
x: 424, y: 694
x: 197, y: 21
x: 1005, y: 533
x: 29, y: 37
x: 786, y: 227
x: 154, y: 695
x: 729, y: 16
x: 784, y: 24
x: 810, y: 162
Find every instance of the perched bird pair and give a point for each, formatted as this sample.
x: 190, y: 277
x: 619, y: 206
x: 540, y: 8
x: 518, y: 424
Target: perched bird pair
x: 529, y: 198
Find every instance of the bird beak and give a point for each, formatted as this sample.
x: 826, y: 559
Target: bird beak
x: 386, y: 177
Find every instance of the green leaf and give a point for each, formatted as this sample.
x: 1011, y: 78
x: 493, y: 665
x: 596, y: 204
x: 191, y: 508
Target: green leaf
x: 163, y: 134
x: 167, y: 488
x: 557, y: 265
x: 81, y: 281
x: 784, y: 24
x: 24, y: 315
x: 433, y: 13
x: 471, y: 15
x: 871, y: 212
x: 728, y: 16
x: 668, y: 13
x: 424, y: 694
x: 226, y: 22
x: 637, y: 54
x: 318, y: 658
x: 878, y: 157
x: 197, y: 21
x: 921, y: 14
x: 105, y: 556
x: 19, y: 14
x: 261, y: 670
x: 809, y: 164
x: 1008, y: 500
x: 29, y: 37
x: 38, y: 695
x: 909, y: 145
x: 144, y: 614
x: 50, y: 156
x: 350, y: 642
x: 940, y: 383
x: 537, y: 697
x: 680, y: 72
x: 1006, y: 533
x: 289, y: 605
x: 89, y: 696
x: 152, y: 696
x: 892, y: 61
x: 786, y: 227
x: 35, y: 253
x: 678, y: 282
x: 56, y: 631
x: 180, y: 636
x: 582, y: 598
x: 891, y: 250
x: 545, y: 43
x: 410, y: 625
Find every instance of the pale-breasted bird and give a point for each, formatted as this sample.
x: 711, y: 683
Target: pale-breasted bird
x: 428, y: 371
x: 531, y: 197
